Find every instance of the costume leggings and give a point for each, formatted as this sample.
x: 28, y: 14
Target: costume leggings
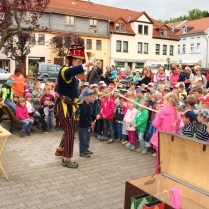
x: 67, y: 124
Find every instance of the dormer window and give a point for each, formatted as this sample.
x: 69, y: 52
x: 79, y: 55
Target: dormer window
x: 184, y: 29
x: 119, y: 26
x: 172, y: 29
x: 164, y: 33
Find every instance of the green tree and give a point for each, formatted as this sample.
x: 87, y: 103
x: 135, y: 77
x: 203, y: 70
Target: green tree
x: 195, y: 14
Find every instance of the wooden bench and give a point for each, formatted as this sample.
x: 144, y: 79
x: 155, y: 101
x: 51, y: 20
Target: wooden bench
x: 7, y: 114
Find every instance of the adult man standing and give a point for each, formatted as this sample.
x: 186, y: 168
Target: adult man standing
x: 67, y: 88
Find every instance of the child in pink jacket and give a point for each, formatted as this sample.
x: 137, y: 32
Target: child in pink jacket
x: 174, y: 77
x: 167, y: 119
x: 22, y: 116
x: 129, y: 120
x: 107, y: 113
x: 161, y: 76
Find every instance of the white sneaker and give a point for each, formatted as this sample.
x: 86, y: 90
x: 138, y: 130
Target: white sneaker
x: 154, y: 155
x: 147, y: 144
x: 125, y: 142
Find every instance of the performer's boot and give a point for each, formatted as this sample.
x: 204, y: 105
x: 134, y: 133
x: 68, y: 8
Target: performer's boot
x: 59, y: 152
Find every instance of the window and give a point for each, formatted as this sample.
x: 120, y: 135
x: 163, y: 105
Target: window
x: 44, y: 68
x: 88, y: 44
x: 157, y: 49
x: 139, y: 47
x: 184, y: 29
x: 146, y: 48
x: 164, y: 33
x: 119, y: 27
x: 118, y: 46
x: 192, y: 48
x: 41, y: 39
x: 93, y: 23
x: 145, y: 30
x: 98, y: 45
x: 171, y: 50
x: 139, y: 65
x: 164, y: 49
x: 51, y: 68
x: 179, y: 49
x: 32, y: 39
x: 140, y: 29
x: 125, y: 46
x: 69, y: 20
x: 198, y: 48
x: 184, y: 49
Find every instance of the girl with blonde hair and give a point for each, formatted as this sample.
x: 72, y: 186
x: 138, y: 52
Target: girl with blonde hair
x: 167, y: 119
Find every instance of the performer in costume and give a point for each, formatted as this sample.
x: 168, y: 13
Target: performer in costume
x: 67, y: 88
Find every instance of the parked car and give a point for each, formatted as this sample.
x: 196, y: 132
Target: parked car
x: 4, y: 75
x: 46, y: 70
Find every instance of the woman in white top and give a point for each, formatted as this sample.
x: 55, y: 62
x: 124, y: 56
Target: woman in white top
x: 191, y: 76
x: 199, y: 76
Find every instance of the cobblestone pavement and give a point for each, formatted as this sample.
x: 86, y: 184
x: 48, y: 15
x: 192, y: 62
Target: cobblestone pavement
x: 37, y: 180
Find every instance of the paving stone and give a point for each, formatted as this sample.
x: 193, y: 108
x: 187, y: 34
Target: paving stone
x: 38, y: 181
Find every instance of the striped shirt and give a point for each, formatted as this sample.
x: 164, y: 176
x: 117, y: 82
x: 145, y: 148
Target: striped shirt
x: 189, y: 129
x: 201, y: 132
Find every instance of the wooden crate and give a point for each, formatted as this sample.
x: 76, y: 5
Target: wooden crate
x: 184, y: 165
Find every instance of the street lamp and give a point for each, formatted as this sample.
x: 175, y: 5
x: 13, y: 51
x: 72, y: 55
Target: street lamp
x: 168, y: 61
x: 89, y: 55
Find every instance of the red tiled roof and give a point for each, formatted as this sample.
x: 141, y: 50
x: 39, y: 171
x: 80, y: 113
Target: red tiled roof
x: 193, y: 26
x: 97, y: 11
x: 160, y: 26
x: 77, y: 8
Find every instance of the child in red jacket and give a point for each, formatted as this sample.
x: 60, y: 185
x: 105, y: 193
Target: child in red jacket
x: 107, y: 113
x: 23, y: 117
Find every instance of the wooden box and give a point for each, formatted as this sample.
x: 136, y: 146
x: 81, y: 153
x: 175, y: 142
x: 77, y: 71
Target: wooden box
x: 184, y: 165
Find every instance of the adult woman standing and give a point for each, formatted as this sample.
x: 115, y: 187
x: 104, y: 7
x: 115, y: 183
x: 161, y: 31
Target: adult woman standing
x: 191, y: 76
x: 18, y: 86
x: 96, y: 73
x: 67, y: 88
x: 199, y: 76
x: 107, y: 76
x: 145, y: 77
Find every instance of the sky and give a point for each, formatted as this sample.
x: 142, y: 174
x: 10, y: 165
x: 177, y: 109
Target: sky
x: 158, y: 9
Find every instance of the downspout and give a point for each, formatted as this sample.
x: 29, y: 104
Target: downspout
x: 206, y: 51
x: 50, y: 21
x: 110, y: 35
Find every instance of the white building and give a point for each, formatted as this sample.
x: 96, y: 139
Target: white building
x: 138, y: 40
x: 193, y: 46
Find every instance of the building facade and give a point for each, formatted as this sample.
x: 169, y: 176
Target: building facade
x: 193, y: 46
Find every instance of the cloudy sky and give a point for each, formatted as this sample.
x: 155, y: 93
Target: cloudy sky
x: 159, y: 9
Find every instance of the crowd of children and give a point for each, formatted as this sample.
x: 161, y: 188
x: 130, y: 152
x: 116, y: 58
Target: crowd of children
x: 34, y: 109
x: 132, y: 116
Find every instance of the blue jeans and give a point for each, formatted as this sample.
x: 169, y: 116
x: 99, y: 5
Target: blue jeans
x: 11, y: 104
x: 109, y: 124
x: 142, y: 144
x: 27, y: 125
x: 50, y: 120
x: 84, y: 139
x: 120, y: 128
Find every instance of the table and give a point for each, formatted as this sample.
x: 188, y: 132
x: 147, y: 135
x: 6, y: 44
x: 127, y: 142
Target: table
x: 3, y: 134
